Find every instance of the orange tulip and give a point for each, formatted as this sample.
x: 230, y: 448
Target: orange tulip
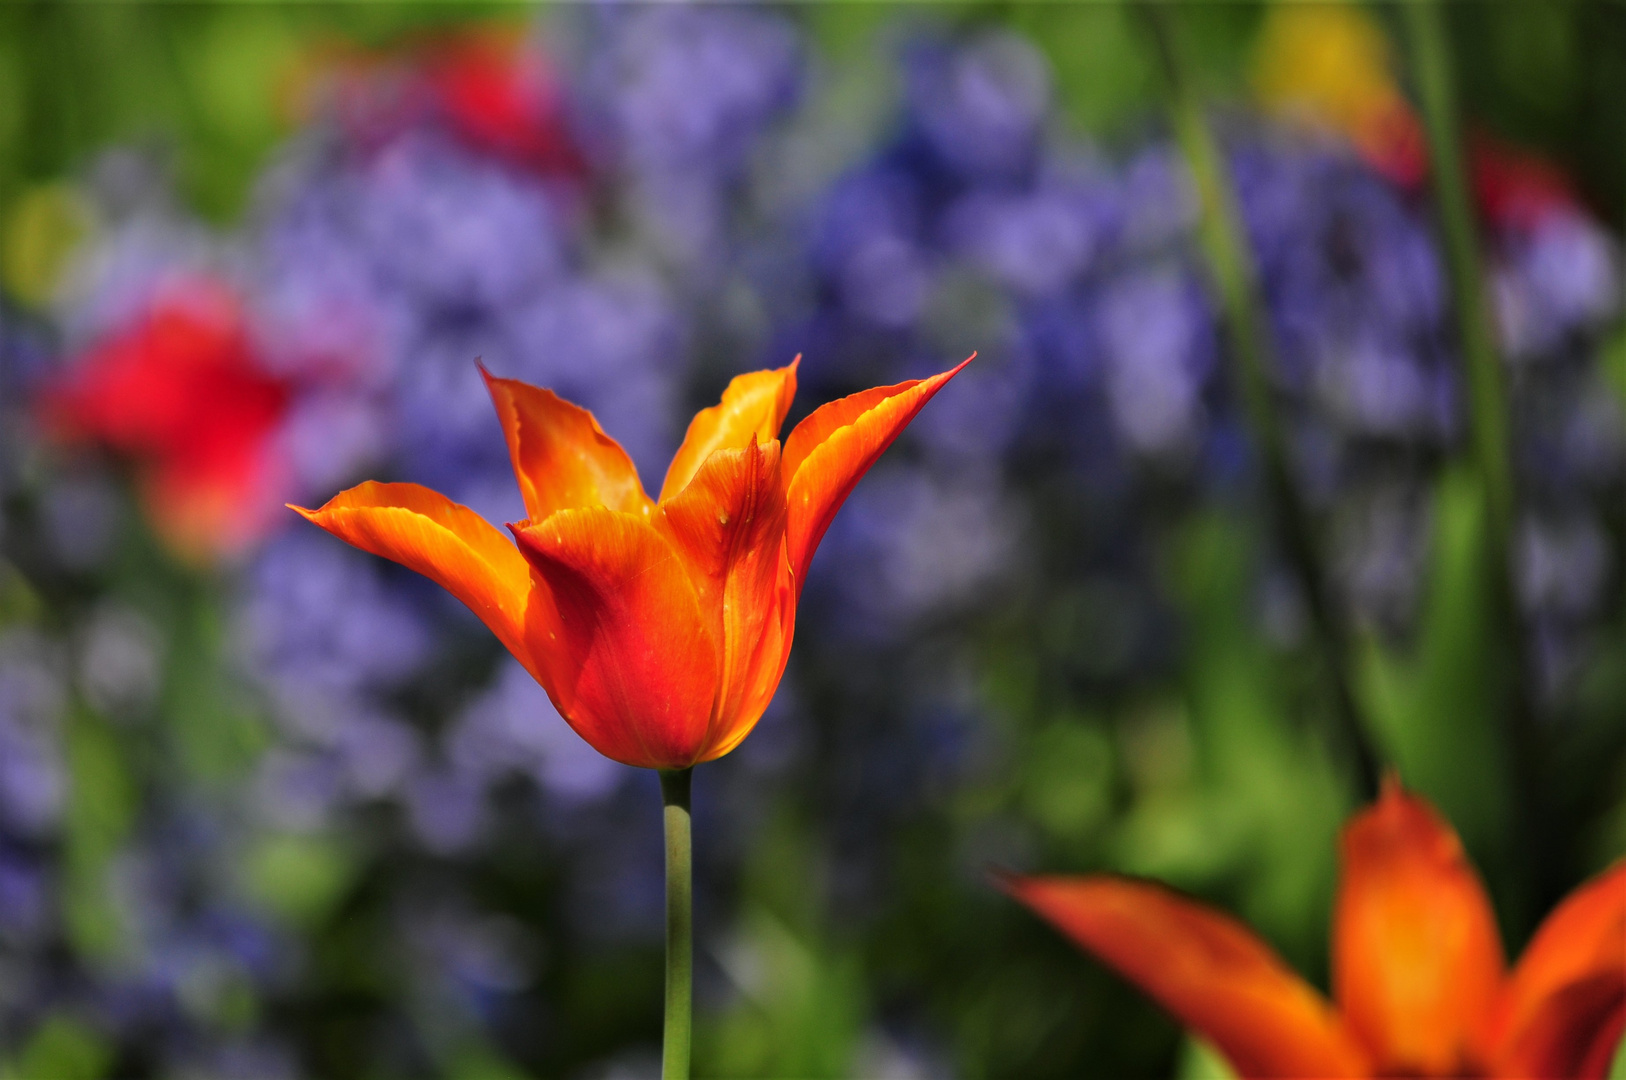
x: 1417, y: 965
x: 659, y: 628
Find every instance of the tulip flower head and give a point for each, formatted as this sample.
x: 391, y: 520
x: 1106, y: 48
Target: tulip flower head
x: 1418, y: 974
x: 659, y: 627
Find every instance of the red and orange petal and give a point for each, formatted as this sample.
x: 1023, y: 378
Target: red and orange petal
x: 830, y: 451
x: 1417, y: 957
x: 1207, y: 969
x: 450, y: 545
x: 728, y: 527
x: 562, y: 459
x: 753, y: 406
x: 1564, y: 1007
x: 632, y: 663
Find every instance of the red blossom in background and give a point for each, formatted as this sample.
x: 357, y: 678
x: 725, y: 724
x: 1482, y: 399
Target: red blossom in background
x: 488, y: 86
x: 180, y: 393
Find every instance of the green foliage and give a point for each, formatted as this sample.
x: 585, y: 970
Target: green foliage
x: 1438, y: 708
x: 1200, y: 1061
x: 212, y: 722
x: 1104, y: 75
x: 1264, y: 800
x: 61, y: 1049
x: 801, y: 1002
x: 1067, y: 786
x: 300, y: 878
x: 100, y: 810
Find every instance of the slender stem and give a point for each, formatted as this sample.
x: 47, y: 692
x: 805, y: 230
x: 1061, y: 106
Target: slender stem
x: 1431, y: 66
x: 1489, y: 425
x: 1234, y: 276
x: 679, y: 926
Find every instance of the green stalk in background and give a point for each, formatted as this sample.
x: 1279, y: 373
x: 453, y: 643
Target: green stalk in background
x: 1482, y: 369
x: 676, y: 1035
x: 1230, y: 266
x: 1432, y: 72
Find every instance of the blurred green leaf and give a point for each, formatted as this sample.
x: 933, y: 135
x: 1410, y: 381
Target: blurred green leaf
x: 62, y: 1049
x: 1104, y: 76
x: 1438, y: 709
x: 1614, y: 361
x: 1617, y: 1070
x: 801, y: 995
x: 1200, y: 1061
x: 299, y: 878
x: 1068, y: 784
x: 19, y: 603
x: 100, y: 808
x: 477, y: 1061
x: 216, y: 729
x: 1266, y: 801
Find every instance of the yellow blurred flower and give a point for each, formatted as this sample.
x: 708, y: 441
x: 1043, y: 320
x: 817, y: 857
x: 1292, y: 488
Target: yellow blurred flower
x: 45, y: 225
x: 1330, y: 65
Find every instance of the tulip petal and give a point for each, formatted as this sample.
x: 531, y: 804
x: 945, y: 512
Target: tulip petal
x: 635, y: 665
x: 728, y: 525
x: 562, y: 458
x: 831, y: 450
x: 1564, y: 1006
x: 754, y: 404
x: 1205, y: 968
x: 1417, y: 957
x: 448, y: 543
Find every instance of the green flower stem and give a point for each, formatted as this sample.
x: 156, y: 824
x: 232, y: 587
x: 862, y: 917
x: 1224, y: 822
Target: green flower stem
x: 1489, y: 426
x: 1231, y: 269
x: 1431, y: 68
x: 676, y: 1035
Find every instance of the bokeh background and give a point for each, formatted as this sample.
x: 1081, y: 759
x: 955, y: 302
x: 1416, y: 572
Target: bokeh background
x: 271, y: 808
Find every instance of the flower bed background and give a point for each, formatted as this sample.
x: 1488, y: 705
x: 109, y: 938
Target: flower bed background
x: 270, y: 807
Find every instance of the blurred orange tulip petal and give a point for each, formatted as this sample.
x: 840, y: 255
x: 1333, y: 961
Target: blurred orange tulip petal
x: 562, y: 458
x: 1564, y: 1009
x: 1417, y: 958
x: 635, y: 669
x: 831, y: 450
x: 754, y: 404
x: 1207, y: 969
x: 447, y: 543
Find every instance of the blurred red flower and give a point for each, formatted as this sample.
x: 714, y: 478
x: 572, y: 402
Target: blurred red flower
x: 1418, y: 974
x: 181, y: 395
x: 488, y: 85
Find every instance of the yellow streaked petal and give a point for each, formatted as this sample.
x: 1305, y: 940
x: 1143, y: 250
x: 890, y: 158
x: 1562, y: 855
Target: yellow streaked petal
x: 753, y: 405
x: 1416, y: 955
x: 831, y: 450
